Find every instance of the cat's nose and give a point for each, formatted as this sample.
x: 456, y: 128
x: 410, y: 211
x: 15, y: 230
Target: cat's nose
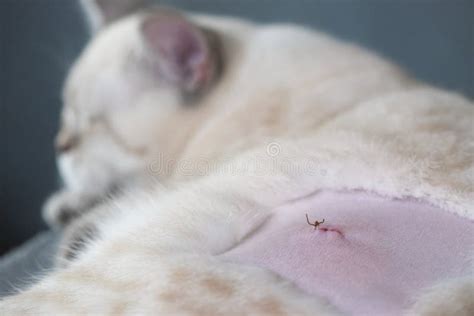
x: 65, y: 142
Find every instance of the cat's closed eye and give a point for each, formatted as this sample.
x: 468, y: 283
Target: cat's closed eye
x: 66, y: 141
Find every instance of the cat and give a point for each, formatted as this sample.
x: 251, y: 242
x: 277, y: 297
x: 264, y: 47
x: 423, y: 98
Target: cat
x: 198, y: 127
x: 131, y: 110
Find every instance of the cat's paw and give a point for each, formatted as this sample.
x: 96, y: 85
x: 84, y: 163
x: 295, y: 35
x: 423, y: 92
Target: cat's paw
x: 76, y: 239
x: 63, y: 207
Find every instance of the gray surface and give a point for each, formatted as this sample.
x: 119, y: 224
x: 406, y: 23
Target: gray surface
x: 28, y: 263
x: 39, y: 40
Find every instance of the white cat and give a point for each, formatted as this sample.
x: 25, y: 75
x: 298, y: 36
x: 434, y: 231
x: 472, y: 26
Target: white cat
x: 232, y: 120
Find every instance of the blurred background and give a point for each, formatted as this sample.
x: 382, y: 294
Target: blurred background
x: 433, y: 39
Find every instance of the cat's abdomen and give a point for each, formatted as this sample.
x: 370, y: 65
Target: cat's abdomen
x: 372, y: 255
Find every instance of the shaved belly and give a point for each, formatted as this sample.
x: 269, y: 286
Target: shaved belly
x: 372, y: 255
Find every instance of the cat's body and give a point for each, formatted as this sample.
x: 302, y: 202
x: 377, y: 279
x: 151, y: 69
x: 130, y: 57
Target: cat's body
x: 151, y: 130
x: 246, y: 119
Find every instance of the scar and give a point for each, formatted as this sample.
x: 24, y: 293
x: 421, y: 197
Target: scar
x: 315, y: 224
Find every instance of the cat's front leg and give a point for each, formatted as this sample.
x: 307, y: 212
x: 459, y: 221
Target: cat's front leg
x: 64, y: 206
x: 67, y: 205
x: 80, y: 234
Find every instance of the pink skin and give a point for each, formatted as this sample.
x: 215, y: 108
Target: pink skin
x: 371, y: 256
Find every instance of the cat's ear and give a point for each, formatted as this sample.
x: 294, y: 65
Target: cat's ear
x: 186, y: 55
x: 102, y: 12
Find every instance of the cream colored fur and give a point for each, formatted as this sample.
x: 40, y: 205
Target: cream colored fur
x: 294, y: 112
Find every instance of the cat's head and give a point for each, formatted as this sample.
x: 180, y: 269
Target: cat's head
x: 130, y: 90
